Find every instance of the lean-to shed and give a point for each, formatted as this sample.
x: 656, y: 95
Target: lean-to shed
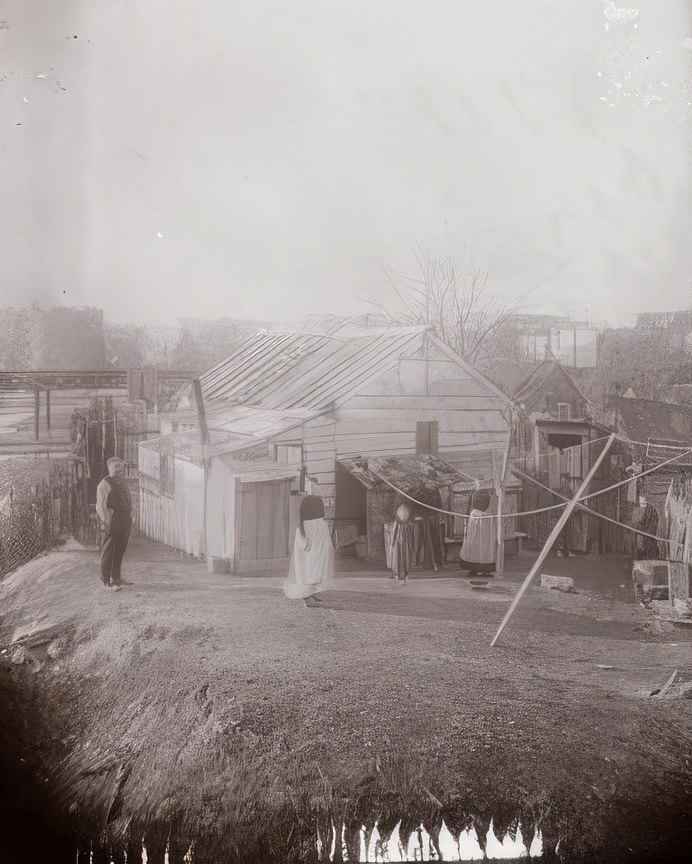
x: 285, y: 408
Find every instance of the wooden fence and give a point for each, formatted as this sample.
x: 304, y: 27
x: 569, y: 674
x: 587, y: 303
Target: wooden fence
x: 42, y: 501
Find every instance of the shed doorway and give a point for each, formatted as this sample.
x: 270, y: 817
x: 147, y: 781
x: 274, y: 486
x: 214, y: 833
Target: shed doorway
x: 264, y: 524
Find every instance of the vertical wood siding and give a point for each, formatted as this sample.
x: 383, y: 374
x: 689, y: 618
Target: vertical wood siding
x: 176, y: 521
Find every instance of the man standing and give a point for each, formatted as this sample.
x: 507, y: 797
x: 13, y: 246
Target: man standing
x: 114, y: 509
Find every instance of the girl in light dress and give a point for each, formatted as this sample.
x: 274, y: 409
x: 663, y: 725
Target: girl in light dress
x: 312, y: 563
x: 477, y: 553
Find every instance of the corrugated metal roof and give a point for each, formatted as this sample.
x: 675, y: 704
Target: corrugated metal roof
x: 255, y: 423
x: 306, y: 372
x: 260, y: 470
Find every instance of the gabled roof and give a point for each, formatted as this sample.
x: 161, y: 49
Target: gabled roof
x: 289, y: 371
x: 275, y: 382
x: 286, y: 378
x: 531, y: 391
x: 506, y: 373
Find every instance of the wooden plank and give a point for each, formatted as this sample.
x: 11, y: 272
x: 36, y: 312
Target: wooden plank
x: 473, y: 440
x: 678, y: 581
x: 321, y: 482
x: 319, y: 446
x: 295, y: 435
x: 403, y: 443
x: 282, y: 521
x: 481, y: 415
x: 322, y: 441
x: 322, y: 470
x: 559, y: 525
x: 312, y: 457
x: 248, y: 522
x: 394, y: 446
x: 319, y: 436
x: 37, y: 394
x: 266, y: 518
x: 477, y: 444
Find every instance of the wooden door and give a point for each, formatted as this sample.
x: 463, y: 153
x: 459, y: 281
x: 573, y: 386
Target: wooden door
x: 264, y: 521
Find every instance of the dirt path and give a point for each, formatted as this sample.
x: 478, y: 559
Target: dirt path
x: 196, y: 703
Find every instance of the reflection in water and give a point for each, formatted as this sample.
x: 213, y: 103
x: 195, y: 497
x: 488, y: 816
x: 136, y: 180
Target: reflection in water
x: 374, y: 848
x: 422, y: 848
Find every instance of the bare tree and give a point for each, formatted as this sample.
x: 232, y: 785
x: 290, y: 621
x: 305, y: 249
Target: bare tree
x: 448, y: 293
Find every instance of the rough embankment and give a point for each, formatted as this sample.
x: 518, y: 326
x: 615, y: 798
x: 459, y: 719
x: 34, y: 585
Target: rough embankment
x: 205, y: 709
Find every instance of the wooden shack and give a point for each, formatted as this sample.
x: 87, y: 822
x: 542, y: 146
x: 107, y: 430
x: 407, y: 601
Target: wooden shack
x: 288, y: 411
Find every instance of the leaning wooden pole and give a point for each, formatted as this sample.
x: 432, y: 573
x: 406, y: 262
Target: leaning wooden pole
x: 560, y: 524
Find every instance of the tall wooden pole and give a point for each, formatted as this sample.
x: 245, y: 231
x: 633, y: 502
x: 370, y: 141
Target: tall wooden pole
x: 500, y: 563
x: 201, y: 414
x: 204, y: 436
x: 37, y: 392
x: 679, y: 502
x: 553, y: 537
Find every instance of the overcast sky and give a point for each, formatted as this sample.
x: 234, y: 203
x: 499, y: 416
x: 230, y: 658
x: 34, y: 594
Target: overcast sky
x: 261, y: 158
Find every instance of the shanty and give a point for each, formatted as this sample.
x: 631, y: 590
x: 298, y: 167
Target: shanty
x: 291, y: 413
x: 345, y: 432
x: 521, y: 541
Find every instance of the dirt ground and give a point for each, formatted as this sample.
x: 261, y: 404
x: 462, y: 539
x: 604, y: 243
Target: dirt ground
x: 175, y: 706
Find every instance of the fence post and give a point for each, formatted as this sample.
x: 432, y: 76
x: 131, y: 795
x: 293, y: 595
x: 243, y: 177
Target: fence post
x: 37, y: 392
x: 678, y: 504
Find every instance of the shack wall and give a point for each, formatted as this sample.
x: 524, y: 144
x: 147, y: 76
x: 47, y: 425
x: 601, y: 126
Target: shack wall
x: 382, y: 418
x: 221, y: 508
x: 172, y: 512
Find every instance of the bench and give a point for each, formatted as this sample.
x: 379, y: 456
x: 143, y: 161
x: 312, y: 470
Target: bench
x: 451, y: 549
x: 513, y: 543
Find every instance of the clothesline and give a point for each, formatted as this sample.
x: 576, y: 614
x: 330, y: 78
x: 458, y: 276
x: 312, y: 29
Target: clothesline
x: 584, y: 444
x: 523, y: 460
x: 549, y: 508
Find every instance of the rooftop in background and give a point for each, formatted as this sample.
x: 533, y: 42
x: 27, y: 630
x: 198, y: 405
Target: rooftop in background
x: 680, y: 322
x: 540, y: 323
x: 646, y: 420
x: 506, y: 373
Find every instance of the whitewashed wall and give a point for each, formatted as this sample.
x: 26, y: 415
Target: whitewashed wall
x: 177, y: 521
x: 221, y: 495
x: 381, y: 420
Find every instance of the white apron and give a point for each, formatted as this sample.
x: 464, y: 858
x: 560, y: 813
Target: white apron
x: 312, y: 562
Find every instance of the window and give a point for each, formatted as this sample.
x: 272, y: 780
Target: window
x: 289, y: 454
x: 427, y: 435
x: 563, y: 412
